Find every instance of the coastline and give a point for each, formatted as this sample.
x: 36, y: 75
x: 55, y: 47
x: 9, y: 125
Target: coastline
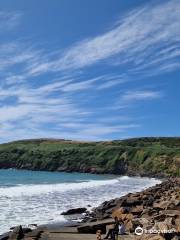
x: 139, y: 156
x: 138, y: 202
x: 50, y: 190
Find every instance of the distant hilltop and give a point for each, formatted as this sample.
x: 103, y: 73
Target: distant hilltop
x: 148, y: 156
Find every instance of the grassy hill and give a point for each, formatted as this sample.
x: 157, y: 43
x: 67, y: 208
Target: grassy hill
x: 141, y: 156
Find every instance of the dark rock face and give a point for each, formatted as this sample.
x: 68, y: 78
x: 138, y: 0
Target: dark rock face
x: 74, y: 211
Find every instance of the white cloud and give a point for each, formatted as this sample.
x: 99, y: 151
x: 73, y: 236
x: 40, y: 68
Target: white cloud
x: 141, y: 95
x: 134, y: 39
x: 147, y: 39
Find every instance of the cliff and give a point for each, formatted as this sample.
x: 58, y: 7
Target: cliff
x: 140, y: 156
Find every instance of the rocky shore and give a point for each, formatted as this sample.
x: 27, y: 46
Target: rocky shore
x: 155, y: 209
x: 154, y: 214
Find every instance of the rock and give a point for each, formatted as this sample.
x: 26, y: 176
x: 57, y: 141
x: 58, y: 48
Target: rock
x: 162, y: 227
x: 174, y: 205
x: 17, y: 233
x: 74, y: 211
x: 160, y: 217
x: 92, y: 220
x: 147, y: 213
x: 171, y: 213
x: 132, y: 201
x: 143, y: 222
x: 148, y: 202
x: 169, y: 221
x: 177, y: 224
x: 145, y: 196
x: 4, y: 236
x: 170, y: 204
x: 35, y: 234
x: 161, y: 205
x: 137, y: 210
x: 93, y: 227
x: 26, y: 230
x: 157, y: 206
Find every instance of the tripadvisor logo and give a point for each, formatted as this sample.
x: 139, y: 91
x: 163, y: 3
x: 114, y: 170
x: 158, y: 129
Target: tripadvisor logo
x: 139, y: 231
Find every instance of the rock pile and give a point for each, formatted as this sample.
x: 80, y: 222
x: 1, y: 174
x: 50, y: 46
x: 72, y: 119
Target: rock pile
x: 156, y: 210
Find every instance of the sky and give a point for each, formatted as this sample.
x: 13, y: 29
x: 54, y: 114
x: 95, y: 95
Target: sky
x: 89, y: 70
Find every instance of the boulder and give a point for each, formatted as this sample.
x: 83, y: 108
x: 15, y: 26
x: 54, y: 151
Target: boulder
x: 174, y: 204
x: 161, y: 205
x: 17, y: 233
x: 164, y: 227
x: 140, y: 222
x: 74, y: 211
x: 132, y: 201
x: 137, y: 210
x: 149, y: 201
x: 171, y: 213
x: 147, y: 213
x: 169, y: 221
x: 27, y: 230
x: 159, y: 217
x: 177, y: 224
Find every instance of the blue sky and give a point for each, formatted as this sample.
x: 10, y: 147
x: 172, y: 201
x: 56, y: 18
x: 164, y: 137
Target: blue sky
x: 89, y: 70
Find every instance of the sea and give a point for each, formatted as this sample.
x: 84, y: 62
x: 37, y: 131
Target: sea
x: 39, y: 197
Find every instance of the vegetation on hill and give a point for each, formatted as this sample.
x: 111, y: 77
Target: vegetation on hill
x: 141, y: 156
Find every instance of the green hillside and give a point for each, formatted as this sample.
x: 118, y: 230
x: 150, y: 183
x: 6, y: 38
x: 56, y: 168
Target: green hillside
x: 141, y: 156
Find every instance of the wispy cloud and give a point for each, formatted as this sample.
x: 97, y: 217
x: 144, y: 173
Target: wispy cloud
x: 141, y: 95
x: 147, y: 39
x: 153, y: 28
x: 57, y: 92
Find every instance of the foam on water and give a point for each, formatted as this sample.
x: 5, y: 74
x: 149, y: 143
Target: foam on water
x: 41, y: 198
x: 30, y: 190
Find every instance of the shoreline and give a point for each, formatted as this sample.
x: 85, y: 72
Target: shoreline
x: 103, y: 212
x: 89, y: 204
x: 160, y: 176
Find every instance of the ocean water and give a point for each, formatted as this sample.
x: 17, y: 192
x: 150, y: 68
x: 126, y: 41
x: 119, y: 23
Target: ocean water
x: 33, y: 197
